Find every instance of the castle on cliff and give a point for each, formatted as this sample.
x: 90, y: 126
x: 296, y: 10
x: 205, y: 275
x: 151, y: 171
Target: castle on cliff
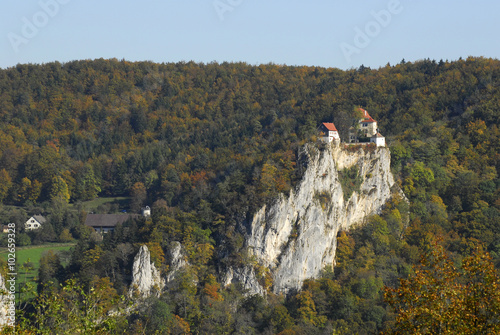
x: 366, y: 131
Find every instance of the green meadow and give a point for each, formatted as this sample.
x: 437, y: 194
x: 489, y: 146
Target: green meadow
x: 33, y: 254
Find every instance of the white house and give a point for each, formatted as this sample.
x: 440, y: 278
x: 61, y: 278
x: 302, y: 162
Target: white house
x: 328, y: 132
x: 146, y: 211
x: 378, y: 139
x: 35, y: 222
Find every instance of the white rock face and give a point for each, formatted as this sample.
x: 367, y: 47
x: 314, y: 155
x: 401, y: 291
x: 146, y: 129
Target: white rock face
x: 177, y: 260
x: 246, y: 277
x: 146, y: 278
x: 297, y: 236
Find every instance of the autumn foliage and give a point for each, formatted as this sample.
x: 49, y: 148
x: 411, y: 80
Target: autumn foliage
x: 207, y: 145
x: 441, y: 298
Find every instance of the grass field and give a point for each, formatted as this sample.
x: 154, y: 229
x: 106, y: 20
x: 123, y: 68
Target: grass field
x: 33, y: 253
x: 92, y: 205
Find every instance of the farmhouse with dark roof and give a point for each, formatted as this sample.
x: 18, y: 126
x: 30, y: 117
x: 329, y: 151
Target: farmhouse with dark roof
x: 104, y: 223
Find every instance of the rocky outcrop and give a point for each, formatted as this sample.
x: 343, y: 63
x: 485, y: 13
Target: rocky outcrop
x: 177, y: 260
x: 295, y: 238
x: 246, y: 277
x: 146, y: 279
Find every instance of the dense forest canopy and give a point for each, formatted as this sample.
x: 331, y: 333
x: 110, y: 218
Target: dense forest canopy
x: 208, y: 144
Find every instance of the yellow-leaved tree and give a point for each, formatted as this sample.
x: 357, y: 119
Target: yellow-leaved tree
x: 441, y: 298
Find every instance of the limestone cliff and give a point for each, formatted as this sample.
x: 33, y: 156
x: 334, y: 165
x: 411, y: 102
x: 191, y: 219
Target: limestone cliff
x: 146, y: 278
x: 176, y: 260
x: 246, y: 277
x: 295, y: 238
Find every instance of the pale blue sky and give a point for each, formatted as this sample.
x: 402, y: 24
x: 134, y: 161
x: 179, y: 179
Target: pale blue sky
x: 328, y: 33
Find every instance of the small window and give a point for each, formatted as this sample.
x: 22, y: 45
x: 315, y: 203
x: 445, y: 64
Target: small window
x: 365, y: 124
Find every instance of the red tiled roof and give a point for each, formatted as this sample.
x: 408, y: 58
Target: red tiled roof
x: 367, y: 118
x: 330, y: 126
x: 365, y: 114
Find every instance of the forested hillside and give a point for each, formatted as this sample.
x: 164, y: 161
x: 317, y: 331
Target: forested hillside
x: 207, y: 144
